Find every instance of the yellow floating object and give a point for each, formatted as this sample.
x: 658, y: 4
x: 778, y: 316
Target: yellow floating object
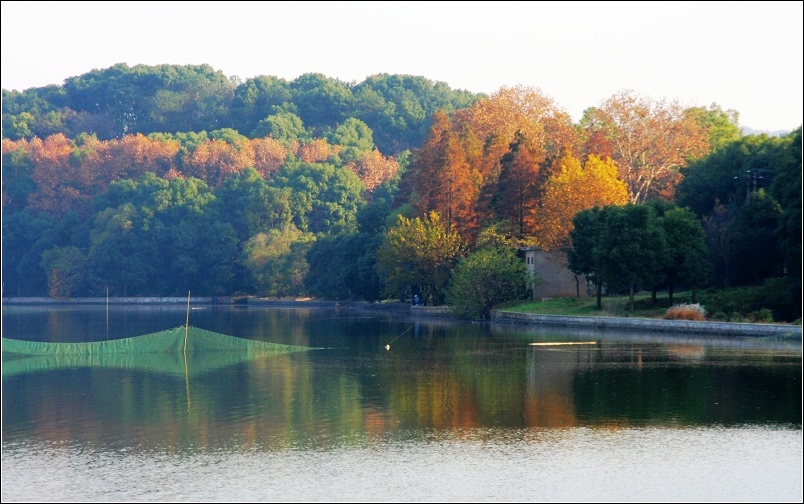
x: 565, y: 343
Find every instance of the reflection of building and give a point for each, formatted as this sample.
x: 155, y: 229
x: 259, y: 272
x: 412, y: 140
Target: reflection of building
x: 554, y: 277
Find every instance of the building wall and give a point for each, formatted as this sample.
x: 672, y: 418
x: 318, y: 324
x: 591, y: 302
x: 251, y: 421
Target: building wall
x: 556, y: 280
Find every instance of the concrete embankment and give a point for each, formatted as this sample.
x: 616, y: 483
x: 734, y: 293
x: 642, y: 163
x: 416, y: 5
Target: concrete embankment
x: 648, y: 325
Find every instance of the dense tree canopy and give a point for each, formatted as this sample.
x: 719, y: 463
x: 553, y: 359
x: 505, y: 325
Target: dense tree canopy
x: 160, y: 179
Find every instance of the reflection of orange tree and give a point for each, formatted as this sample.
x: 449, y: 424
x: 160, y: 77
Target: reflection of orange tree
x: 468, y: 393
x: 549, y: 399
x: 435, y: 400
x: 376, y: 421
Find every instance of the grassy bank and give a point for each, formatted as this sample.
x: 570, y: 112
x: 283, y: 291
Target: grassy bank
x: 728, y: 305
x: 612, y: 306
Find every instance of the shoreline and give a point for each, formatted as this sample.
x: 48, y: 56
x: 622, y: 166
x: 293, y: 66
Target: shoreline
x: 635, y: 324
x: 497, y: 316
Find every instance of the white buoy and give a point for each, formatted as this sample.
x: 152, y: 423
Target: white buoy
x: 387, y: 347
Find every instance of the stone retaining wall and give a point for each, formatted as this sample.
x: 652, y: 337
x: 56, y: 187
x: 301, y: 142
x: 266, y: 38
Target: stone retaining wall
x: 645, y: 324
x: 432, y: 311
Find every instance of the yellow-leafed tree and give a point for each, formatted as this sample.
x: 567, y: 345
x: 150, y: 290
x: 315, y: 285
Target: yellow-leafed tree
x: 573, y: 188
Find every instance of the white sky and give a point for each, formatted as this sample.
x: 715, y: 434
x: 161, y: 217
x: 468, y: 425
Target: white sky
x: 745, y: 56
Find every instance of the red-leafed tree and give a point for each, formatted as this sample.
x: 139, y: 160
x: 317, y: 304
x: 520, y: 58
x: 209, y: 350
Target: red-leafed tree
x: 444, y: 181
x: 517, y: 194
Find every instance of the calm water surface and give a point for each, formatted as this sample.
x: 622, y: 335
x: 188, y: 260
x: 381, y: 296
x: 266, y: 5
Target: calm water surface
x: 451, y: 412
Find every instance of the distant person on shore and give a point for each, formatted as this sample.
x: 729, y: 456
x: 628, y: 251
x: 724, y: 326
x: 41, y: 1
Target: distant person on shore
x: 415, y: 300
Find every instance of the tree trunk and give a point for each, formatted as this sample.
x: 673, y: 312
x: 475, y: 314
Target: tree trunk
x: 631, y: 298
x: 599, y: 284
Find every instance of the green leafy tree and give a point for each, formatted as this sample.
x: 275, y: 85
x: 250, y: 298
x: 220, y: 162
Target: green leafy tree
x: 284, y: 127
x: 65, y: 271
x: 251, y: 205
x: 685, y: 259
x: 18, y: 169
x: 486, y: 278
x: 256, y: 99
x: 419, y: 255
x: 324, y: 198
x: 722, y: 126
x: 399, y: 108
x: 758, y: 253
x: 355, y: 138
x: 321, y: 100
x: 730, y: 174
x: 344, y: 267
x: 786, y: 188
x: 169, y: 230
x: 617, y: 246
x: 277, y: 261
x: 632, y: 248
x: 584, y: 255
x: 26, y: 235
x: 122, y: 259
x: 37, y: 112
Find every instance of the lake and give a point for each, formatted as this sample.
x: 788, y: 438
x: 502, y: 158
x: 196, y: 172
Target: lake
x: 387, y: 407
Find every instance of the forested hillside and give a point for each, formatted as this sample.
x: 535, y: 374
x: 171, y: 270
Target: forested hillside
x: 156, y: 180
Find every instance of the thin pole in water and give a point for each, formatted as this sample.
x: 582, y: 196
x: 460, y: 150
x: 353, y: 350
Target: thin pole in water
x: 187, y: 323
x: 107, y: 313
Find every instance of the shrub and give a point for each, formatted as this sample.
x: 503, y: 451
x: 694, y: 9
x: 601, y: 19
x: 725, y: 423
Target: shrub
x: 487, y: 278
x: 764, y: 315
x: 692, y: 311
x: 779, y: 295
x: 720, y: 316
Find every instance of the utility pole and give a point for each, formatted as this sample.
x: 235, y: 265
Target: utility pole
x: 755, y: 175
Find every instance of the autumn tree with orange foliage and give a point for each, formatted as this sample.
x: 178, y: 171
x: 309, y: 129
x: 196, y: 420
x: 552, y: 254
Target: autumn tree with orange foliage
x: 444, y: 181
x: 497, y: 119
x: 61, y: 185
x: 510, y: 138
x: 374, y: 169
x: 650, y: 140
x: 573, y: 188
x: 214, y: 160
x: 269, y: 156
x: 317, y: 151
x: 133, y: 155
x: 517, y: 195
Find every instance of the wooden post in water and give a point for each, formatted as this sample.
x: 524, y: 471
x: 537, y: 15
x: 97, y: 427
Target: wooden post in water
x: 187, y: 323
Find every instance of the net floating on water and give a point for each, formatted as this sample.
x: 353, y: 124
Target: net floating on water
x: 161, y: 351
x: 170, y: 341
